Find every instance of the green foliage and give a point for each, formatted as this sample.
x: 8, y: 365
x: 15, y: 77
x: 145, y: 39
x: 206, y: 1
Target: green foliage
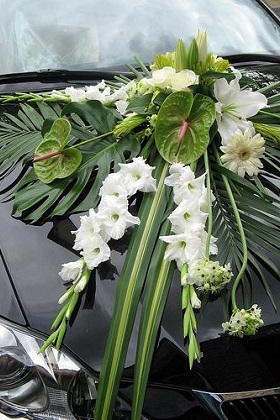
x: 129, y: 290
x: 179, y: 110
x: 184, y: 125
x: 163, y: 60
x: 181, y: 59
x: 271, y: 132
x: 51, y: 160
x: 20, y: 135
x: 258, y: 207
x: 160, y: 276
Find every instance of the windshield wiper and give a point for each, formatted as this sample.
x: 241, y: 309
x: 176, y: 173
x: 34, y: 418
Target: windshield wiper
x: 253, y: 58
x: 63, y: 75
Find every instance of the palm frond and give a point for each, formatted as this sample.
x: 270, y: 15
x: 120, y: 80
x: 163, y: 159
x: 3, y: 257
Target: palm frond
x: 19, y: 136
x: 259, y: 210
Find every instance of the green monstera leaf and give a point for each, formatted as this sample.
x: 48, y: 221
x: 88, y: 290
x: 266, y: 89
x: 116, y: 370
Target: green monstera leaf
x: 51, y: 160
x: 183, y: 124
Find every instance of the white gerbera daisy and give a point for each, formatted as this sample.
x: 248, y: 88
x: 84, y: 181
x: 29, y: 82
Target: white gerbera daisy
x: 243, y: 152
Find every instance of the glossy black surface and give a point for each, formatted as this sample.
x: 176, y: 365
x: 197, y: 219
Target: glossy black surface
x: 31, y: 257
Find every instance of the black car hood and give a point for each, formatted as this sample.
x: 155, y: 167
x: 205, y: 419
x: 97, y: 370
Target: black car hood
x: 30, y: 288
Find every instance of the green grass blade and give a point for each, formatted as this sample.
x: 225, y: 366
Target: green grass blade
x: 159, y: 278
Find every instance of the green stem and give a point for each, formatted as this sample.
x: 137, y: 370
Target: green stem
x: 60, y: 152
x: 209, y: 205
x: 189, y: 320
x: 241, y: 232
x: 90, y: 140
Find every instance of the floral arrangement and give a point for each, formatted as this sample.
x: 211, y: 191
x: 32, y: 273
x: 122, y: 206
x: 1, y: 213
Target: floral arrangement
x: 199, y: 144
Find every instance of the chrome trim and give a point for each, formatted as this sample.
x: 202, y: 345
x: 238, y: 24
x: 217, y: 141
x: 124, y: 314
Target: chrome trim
x: 213, y: 401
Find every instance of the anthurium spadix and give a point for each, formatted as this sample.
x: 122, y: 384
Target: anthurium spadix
x: 182, y: 127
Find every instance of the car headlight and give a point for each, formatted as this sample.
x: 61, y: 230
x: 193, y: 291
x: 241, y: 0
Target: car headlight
x: 50, y: 385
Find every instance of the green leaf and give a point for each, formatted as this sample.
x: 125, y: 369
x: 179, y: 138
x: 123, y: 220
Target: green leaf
x: 18, y: 140
x: 58, y: 135
x: 80, y: 191
x: 183, y: 124
x: 271, y: 132
x: 160, y: 275
x: 140, y: 104
x: 259, y: 210
x: 50, y: 160
x: 94, y: 113
x: 60, y: 166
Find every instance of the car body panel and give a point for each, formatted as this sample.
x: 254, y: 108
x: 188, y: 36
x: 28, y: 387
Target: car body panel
x: 31, y: 258
x: 46, y: 247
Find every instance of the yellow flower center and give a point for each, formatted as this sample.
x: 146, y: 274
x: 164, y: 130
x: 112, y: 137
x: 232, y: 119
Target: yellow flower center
x: 244, y: 154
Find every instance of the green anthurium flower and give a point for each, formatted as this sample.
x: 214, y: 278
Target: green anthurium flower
x: 51, y: 160
x: 183, y: 124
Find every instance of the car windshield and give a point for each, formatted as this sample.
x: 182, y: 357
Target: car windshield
x: 88, y: 34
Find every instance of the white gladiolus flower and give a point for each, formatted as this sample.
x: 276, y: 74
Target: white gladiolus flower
x: 95, y: 251
x: 99, y: 92
x: 234, y: 106
x: 183, y: 248
x: 113, y: 186
x: 111, y: 219
x: 188, y: 244
x: 187, y: 216
x: 102, y: 93
x: 72, y: 271
x: 190, y: 188
x: 176, y: 170
x: 243, y: 152
x: 76, y: 95
x: 109, y: 201
x: 125, y: 92
x: 90, y: 225
x: 137, y: 176
x: 121, y: 106
x: 115, y: 220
